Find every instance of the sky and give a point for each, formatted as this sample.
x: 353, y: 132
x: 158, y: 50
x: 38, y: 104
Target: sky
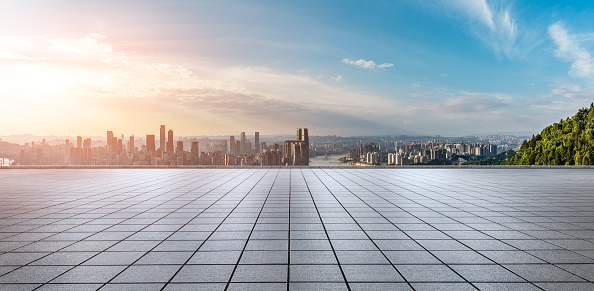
x: 349, y: 68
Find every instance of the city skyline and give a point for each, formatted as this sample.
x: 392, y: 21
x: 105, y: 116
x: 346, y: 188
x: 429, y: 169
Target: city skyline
x: 437, y: 67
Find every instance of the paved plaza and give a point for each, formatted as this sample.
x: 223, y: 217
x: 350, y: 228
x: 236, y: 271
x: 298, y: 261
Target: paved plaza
x: 296, y: 229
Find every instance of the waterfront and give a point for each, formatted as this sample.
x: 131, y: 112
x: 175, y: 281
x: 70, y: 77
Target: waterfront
x: 330, y: 160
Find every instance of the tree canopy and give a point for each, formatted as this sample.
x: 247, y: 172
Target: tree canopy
x: 569, y: 142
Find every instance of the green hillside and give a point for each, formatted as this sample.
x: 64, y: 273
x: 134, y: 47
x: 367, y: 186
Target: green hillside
x: 569, y: 142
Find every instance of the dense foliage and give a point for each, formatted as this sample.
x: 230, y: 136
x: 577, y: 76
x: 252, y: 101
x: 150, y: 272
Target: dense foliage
x: 569, y: 142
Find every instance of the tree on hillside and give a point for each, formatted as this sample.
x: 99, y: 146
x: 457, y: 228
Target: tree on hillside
x: 569, y: 142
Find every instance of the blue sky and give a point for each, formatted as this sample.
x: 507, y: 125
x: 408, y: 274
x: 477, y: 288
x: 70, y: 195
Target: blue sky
x: 453, y: 67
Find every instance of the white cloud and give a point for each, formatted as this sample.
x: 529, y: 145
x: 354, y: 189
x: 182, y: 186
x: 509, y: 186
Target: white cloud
x: 416, y: 85
x: 418, y: 95
x: 577, y: 94
x: 570, y: 48
x: 493, y: 24
x: 367, y: 64
x: 337, y: 78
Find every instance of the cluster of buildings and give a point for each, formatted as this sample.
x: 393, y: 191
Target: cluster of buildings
x: 417, y: 153
x: 167, y: 151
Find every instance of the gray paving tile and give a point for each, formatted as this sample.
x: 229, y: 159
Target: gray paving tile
x: 506, y: 286
x: 89, y: 274
x: 566, y: 286
x: 313, y: 257
x: 543, y: 273
x: 69, y: 287
x: 561, y: 256
x: 204, y: 273
x: 264, y: 257
x: 65, y: 258
x: 486, y: 273
x: 255, y: 286
x: 428, y: 273
x: 442, y: 286
x: 361, y: 257
x: 158, y: 258
x: 146, y: 274
x: 512, y: 257
x: 315, y: 273
x: 318, y: 286
x: 411, y: 257
x: 371, y: 273
x: 379, y: 286
x: 33, y: 274
x: 585, y: 271
x: 260, y: 273
x: 19, y: 259
x: 133, y: 287
x: 461, y: 257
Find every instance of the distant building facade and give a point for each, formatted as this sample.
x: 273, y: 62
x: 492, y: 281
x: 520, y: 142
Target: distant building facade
x: 297, y: 151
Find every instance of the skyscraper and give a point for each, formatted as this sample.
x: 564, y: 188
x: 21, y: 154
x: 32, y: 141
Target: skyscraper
x: 194, y: 152
x: 150, y: 143
x: 162, y: 138
x: 109, y: 141
x: 79, y: 142
x: 297, y: 151
x: 180, y: 147
x: 243, y: 145
x: 231, y: 149
x: 170, y: 142
x: 257, y: 142
x: 131, y: 144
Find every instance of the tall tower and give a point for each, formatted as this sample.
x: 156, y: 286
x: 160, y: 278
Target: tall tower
x: 297, y: 151
x: 231, y: 149
x: 109, y: 141
x: 150, y: 143
x: 170, y: 141
x: 162, y: 138
x: 243, y: 145
x: 79, y: 142
x: 257, y: 142
x: 180, y: 147
x: 302, y: 135
x: 194, y: 152
x: 131, y: 144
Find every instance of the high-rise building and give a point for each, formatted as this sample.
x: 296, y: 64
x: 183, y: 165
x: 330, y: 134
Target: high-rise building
x: 79, y: 142
x: 109, y: 141
x: 243, y: 145
x: 131, y: 144
x: 257, y: 142
x: 114, y: 145
x: 297, y: 151
x: 231, y: 149
x: 302, y: 135
x: 119, y: 145
x: 150, y: 143
x: 162, y: 138
x: 194, y: 152
x: 180, y: 147
x: 87, y: 143
x: 170, y: 142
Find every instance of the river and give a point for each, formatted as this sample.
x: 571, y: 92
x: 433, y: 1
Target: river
x: 331, y: 160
